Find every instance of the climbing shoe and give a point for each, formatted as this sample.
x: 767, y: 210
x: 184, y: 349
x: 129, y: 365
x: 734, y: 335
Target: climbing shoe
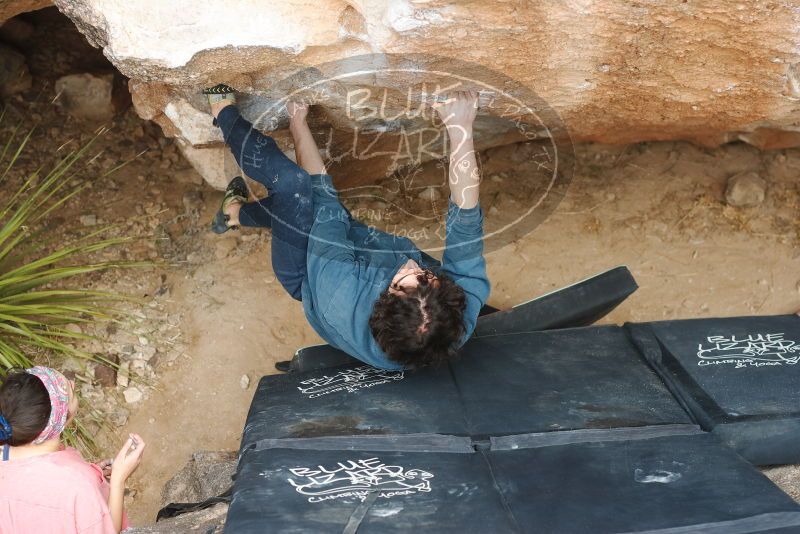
x: 220, y: 92
x: 235, y: 192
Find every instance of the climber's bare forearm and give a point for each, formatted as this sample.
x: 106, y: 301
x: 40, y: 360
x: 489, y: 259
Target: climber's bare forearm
x: 305, y: 147
x: 458, y: 112
x: 464, y: 175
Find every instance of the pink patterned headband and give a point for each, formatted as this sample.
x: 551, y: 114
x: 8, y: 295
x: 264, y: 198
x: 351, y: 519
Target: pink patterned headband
x: 58, y: 389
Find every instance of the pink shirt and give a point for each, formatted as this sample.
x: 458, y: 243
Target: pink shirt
x: 57, y: 493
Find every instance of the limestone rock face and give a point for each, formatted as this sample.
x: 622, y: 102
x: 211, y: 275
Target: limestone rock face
x: 616, y: 72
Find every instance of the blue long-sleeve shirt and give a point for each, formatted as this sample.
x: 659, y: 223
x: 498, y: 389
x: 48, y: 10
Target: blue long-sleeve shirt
x: 350, y: 265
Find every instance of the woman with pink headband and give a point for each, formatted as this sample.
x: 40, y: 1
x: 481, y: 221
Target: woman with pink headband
x: 45, y: 486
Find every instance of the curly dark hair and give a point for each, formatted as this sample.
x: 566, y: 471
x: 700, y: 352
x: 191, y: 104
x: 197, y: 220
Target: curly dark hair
x: 422, y: 327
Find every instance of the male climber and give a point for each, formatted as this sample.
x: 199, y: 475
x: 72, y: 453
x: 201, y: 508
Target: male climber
x: 370, y: 294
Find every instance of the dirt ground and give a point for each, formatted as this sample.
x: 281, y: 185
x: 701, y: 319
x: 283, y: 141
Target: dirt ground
x: 215, y: 314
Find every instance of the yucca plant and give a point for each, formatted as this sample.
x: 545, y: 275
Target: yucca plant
x: 40, y: 280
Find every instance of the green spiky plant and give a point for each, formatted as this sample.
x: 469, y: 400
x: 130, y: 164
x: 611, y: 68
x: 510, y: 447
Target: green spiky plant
x: 40, y: 293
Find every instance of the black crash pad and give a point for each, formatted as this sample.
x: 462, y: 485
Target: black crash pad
x: 577, y: 378
x: 579, y: 304
x: 739, y: 377
x: 354, y: 400
x: 665, y: 484
x: 567, y: 379
x: 653, y: 479
x: 321, y: 491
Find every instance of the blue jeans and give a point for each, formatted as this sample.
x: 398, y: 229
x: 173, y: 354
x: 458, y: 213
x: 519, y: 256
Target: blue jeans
x: 288, y: 209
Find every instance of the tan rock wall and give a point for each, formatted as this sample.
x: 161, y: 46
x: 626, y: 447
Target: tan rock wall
x: 616, y: 71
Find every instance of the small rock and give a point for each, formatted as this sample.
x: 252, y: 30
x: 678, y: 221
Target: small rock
x: 74, y: 328
x: 88, y: 220
x: 244, y: 382
x: 146, y: 353
x: 143, y: 341
x: 496, y: 178
x: 118, y: 417
x: 140, y: 367
x: 430, y: 194
x: 106, y: 375
x: 132, y: 395
x: 91, y: 394
x: 192, y: 201
x: 128, y: 349
x: 746, y: 189
x: 493, y: 210
x: 88, y: 96
x: 123, y: 375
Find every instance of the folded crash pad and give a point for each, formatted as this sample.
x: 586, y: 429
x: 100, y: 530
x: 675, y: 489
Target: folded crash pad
x: 739, y: 377
x: 579, y: 304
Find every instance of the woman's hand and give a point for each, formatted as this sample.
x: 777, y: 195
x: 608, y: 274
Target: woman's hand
x: 127, y: 459
x: 458, y: 110
x: 105, y: 467
x: 298, y: 111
